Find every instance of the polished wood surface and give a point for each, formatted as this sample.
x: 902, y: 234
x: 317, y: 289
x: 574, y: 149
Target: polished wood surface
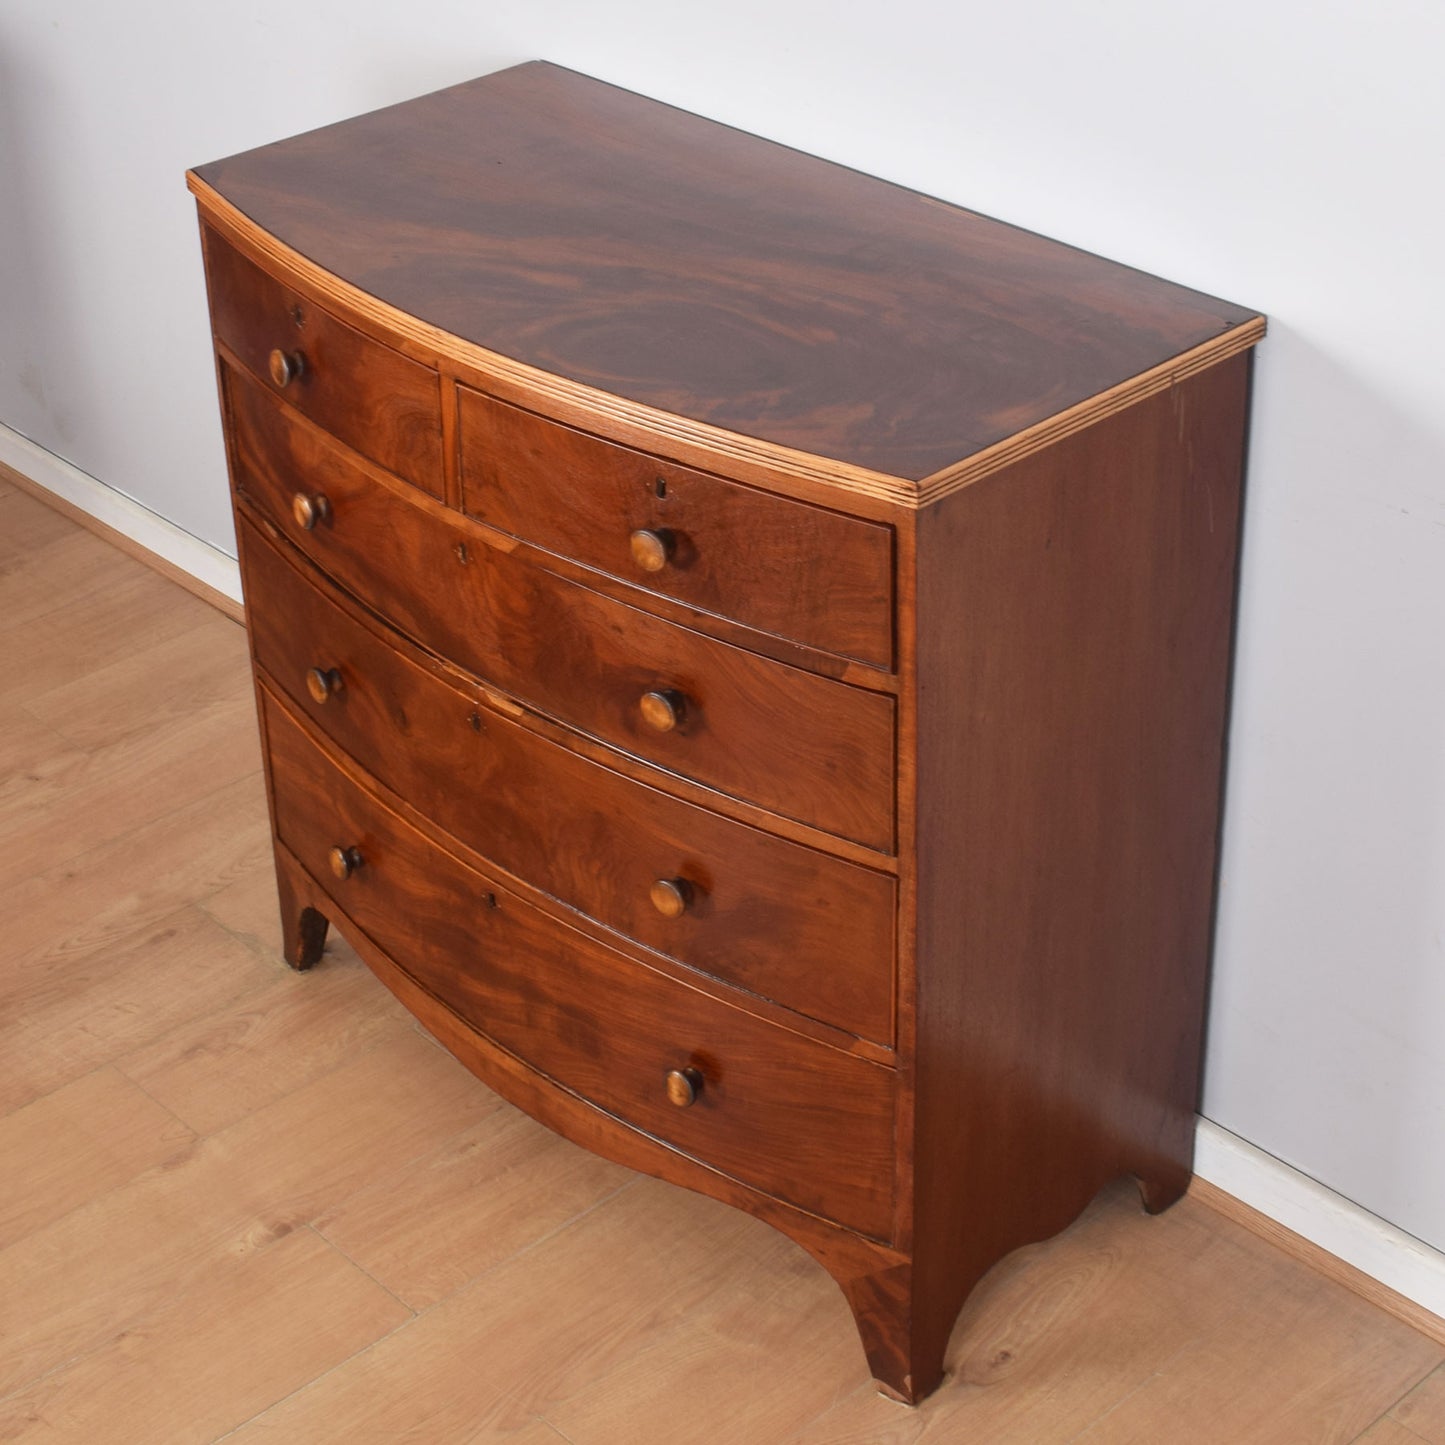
x: 806, y: 573
x: 648, y: 253
x: 382, y: 403
x: 808, y: 1123
x: 526, y: 741
x: 571, y: 652
x: 179, y: 1116
x: 1105, y: 571
x: 783, y: 921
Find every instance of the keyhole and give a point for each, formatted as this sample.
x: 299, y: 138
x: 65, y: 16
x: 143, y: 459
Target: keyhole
x: 659, y: 487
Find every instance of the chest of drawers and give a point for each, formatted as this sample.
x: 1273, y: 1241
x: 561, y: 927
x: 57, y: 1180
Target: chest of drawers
x: 741, y: 651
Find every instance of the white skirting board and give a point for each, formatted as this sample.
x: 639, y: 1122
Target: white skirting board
x: 1281, y: 1193
x: 207, y: 564
x: 1301, y: 1204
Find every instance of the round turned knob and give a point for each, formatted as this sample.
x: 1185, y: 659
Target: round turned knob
x: 309, y: 508
x: 662, y: 710
x: 285, y: 366
x: 683, y: 1086
x: 670, y: 896
x: 651, y: 548
x: 344, y: 861
x: 323, y: 683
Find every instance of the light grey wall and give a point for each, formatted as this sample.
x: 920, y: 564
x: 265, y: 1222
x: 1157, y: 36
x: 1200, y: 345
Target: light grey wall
x: 1284, y: 155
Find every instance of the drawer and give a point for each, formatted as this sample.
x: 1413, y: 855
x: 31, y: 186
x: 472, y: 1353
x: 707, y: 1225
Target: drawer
x: 786, y: 1114
x: 808, y: 930
x: 785, y: 567
x: 803, y: 746
x: 382, y: 403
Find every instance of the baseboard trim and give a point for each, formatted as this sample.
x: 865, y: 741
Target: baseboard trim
x: 200, y: 568
x: 1397, y: 1272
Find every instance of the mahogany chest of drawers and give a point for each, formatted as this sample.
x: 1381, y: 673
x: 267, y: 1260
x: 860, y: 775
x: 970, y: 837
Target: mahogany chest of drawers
x: 742, y: 651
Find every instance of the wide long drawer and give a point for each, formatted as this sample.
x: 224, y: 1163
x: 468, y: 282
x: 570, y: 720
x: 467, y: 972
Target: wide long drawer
x: 804, y: 746
x: 784, y: 1113
x: 809, y: 930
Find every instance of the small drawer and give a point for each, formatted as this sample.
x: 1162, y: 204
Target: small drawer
x: 784, y: 567
x: 383, y: 404
x: 783, y: 1113
x: 812, y: 932
x: 806, y: 747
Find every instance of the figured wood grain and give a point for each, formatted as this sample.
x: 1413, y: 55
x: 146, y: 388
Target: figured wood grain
x: 378, y: 401
x: 649, y: 254
x: 786, y: 922
x: 575, y: 654
x: 783, y: 1112
x: 806, y: 573
x: 1063, y: 439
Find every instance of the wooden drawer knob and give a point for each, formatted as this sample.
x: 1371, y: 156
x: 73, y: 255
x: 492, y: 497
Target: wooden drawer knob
x: 651, y: 548
x: 309, y: 508
x: 344, y: 861
x: 662, y: 711
x: 670, y: 896
x: 683, y: 1086
x: 323, y: 683
x: 285, y: 366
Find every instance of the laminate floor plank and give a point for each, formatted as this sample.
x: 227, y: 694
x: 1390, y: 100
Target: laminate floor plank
x: 242, y: 1332
x: 27, y: 746
x: 214, y: 1069
x: 84, y: 1139
x: 27, y: 524
x: 113, y: 634
x: 103, y: 793
x: 537, y: 1432
x: 485, y: 1362
x: 776, y: 1322
x: 77, y: 574
x: 1422, y: 1411
x: 1238, y: 1386
x: 1387, y: 1431
x: 490, y: 1193
x: 117, y: 888
x: 165, y: 684
x: 111, y: 1265
x: 59, y: 1023
x: 247, y: 906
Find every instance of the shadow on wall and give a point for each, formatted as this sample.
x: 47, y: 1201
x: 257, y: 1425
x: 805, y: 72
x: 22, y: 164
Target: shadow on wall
x: 33, y: 295
x: 1329, y: 987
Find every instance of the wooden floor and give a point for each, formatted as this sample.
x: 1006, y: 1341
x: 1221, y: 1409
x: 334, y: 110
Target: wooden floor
x: 240, y: 1203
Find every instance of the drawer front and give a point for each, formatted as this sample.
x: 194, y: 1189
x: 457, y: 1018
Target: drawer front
x: 804, y: 746
x: 808, y: 930
x: 785, y: 567
x: 783, y: 1113
x: 382, y: 403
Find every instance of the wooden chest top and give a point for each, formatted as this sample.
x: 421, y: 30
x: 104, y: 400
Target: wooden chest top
x: 680, y: 264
